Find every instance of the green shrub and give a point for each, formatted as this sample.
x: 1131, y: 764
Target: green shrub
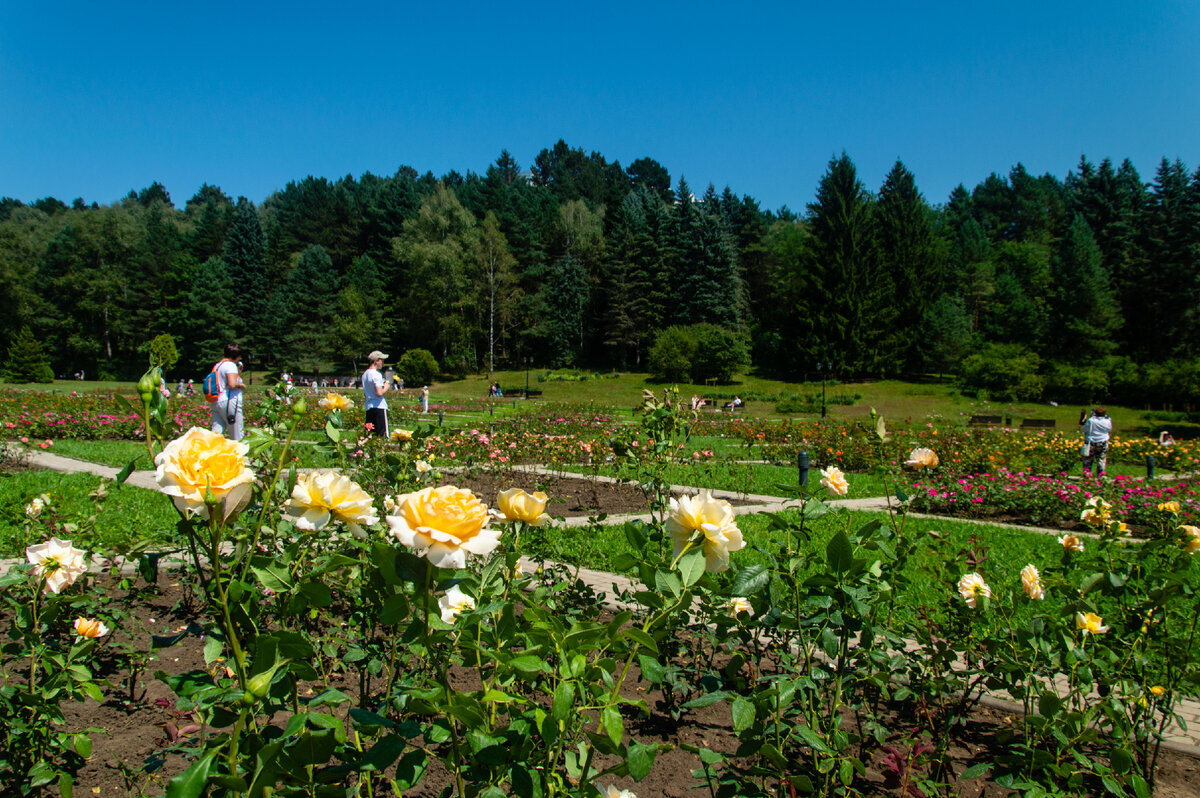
x: 417, y: 367
x: 1006, y: 372
x: 671, y: 356
x: 719, y: 353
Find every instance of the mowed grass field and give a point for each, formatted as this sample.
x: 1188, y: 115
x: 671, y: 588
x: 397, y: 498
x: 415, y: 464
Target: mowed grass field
x: 898, y: 401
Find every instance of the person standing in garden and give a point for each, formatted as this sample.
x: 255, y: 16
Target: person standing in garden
x: 374, y: 387
x: 227, y: 410
x: 425, y: 399
x: 1097, y: 429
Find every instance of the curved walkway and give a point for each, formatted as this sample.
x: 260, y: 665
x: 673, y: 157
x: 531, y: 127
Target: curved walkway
x: 1177, y: 738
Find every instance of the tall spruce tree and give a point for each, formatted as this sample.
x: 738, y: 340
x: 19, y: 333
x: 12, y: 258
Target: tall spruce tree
x: 1084, y: 315
x: 245, y: 259
x: 848, y: 304
x: 909, y: 258
x: 706, y: 285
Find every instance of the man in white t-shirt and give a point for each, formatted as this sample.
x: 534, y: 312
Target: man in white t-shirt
x: 1096, y: 429
x: 374, y: 387
x: 227, y: 410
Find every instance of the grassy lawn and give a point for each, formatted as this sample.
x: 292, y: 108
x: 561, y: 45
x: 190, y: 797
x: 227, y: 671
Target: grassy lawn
x: 768, y: 480
x: 128, y: 515
x: 619, y: 392
x: 932, y: 572
x: 110, y: 453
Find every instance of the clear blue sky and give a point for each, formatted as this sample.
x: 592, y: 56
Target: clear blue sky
x: 100, y: 98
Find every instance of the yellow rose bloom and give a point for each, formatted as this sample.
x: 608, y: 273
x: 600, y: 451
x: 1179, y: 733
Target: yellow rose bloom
x: 443, y: 525
x: 1031, y: 583
x: 1096, y: 511
x: 713, y: 519
x: 1071, y: 543
x: 1192, y: 543
x: 90, y: 627
x: 335, y: 401
x: 517, y: 505
x: 401, y: 435
x: 739, y: 604
x: 835, y: 481
x: 972, y: 587
x: 1169, y: 507
x: 201, y: 459
x: 56, y: 561
x: 1090, y: 623
x: 320, y: 497
x: 922, y: 458
x: 1158, y: 691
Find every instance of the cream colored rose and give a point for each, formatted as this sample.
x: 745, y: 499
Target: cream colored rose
x: 57, y: 562
x: 922, y: 458
x: 1071, y: 543
x: 423, y: 467
x: 740, y: 604
x: 320, y: 497
x: 453, y: 602
x: 1192, y: 544
x: 972, y: 588
x: 35, y: 507
x: 335, y: 401
x: 517, y: 505
x: 612, y: 792
x: 1090, y: 623
x: 1096, y: 511
x: 1031, y: 582
x: 443, y: 525
x: 835, y: 481
x: 90, y: 627
x: 201, y: 459
x: 714, y: 521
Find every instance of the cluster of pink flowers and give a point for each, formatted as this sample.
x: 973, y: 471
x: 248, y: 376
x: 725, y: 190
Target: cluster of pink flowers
x: 1048, y: 499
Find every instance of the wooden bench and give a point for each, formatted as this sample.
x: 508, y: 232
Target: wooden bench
x: 984, y: 421
x: 1037, y: 423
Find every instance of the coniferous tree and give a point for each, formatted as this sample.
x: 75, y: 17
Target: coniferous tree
x: 1084, y: 315
x: 908, y: 257
x: 306, y: 311
x: 26, y: 362
x: 848, y: 314
x: 705, y: 286
x: 245, y: 260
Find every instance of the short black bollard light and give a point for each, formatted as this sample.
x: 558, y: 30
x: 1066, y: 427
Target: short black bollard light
x: 491, y: 409
x: 441, y: 416
x: 802, y: 463
x: 1150, y: 463
x: 687, y: 433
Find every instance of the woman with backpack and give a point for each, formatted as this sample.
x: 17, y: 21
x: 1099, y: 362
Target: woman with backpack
x: 226, y: 378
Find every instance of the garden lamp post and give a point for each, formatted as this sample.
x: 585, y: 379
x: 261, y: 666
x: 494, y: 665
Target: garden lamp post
x: 821, y: 368
x: 528, y: 363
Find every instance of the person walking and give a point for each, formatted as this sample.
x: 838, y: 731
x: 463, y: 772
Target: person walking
x: 227, y: 417
x: 374, y: 387
x: 425, y: 399
x: 1097, y: 429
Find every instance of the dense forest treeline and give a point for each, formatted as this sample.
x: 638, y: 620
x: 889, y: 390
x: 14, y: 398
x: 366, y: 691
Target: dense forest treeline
x: 1025, y: 284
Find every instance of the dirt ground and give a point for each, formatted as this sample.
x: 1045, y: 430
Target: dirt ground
x: 138, y: 727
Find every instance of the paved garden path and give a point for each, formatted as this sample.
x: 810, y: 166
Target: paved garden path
x: 1177, y: 739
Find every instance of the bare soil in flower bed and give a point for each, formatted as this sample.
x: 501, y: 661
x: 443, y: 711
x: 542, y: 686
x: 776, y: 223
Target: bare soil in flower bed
x: 570, y: 497
x: 139, y: 729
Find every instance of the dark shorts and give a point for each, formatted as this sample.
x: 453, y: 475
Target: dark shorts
x: 377, y: 418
